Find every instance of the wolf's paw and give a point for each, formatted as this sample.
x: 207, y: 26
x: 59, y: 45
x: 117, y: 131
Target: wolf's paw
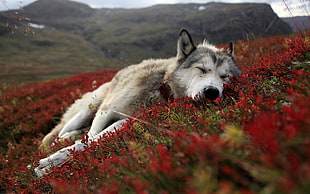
x: 43, y: 168
x: 39, y: 172
x: 53, y: 160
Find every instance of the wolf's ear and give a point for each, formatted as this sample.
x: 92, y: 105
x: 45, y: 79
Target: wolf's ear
x: 230, y: 50
x: 185, y: 44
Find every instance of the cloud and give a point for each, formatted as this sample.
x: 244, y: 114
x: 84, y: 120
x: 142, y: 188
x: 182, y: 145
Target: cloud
x: 14, y: 4
x: 117, y: 3
x: 295, y: 7
x: 143, y: 3
x: 291, y: 8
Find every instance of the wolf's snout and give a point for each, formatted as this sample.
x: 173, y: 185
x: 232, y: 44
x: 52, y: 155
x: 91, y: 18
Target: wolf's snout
x: 211, y: 93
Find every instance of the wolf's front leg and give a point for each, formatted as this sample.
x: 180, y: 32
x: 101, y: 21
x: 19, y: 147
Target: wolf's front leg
x: 78, y: 115
x: 62, y: 155
x: 85, y: 109
x: 58, y: 158
x: 104, y: 119
x: 117, y: 125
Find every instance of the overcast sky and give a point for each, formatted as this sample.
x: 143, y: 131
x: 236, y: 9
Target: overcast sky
x: 296, y: 7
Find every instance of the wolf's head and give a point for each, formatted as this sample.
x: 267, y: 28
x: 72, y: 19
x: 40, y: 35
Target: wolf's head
x: 202, y: 70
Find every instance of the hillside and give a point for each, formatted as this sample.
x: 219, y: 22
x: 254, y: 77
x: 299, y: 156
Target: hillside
x: 151, y: 32
x: 80, y: 37
x: 254, y: 140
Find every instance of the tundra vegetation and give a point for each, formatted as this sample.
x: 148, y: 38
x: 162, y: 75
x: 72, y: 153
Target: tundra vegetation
x: 254, y: 140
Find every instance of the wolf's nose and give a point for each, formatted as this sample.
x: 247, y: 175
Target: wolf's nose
x: 211, y: 93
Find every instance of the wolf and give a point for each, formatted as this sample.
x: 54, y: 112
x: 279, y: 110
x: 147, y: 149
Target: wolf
x: 197, y: 71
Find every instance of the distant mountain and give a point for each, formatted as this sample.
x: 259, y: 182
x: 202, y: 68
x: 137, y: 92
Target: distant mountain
x: 299, y: 23
x: 47, y: 10
x: 57, y: 13
x: 130, y: 35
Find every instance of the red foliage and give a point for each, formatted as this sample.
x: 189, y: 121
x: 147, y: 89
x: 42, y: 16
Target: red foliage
x: 256, y: 138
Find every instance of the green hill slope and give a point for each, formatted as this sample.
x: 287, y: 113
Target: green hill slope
x: 77, y: 38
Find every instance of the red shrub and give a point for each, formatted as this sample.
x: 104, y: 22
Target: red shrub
x: 255, y: 139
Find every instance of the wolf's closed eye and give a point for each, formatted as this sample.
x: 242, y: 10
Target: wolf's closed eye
x: 224, y: 76
x: 202, y: 70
